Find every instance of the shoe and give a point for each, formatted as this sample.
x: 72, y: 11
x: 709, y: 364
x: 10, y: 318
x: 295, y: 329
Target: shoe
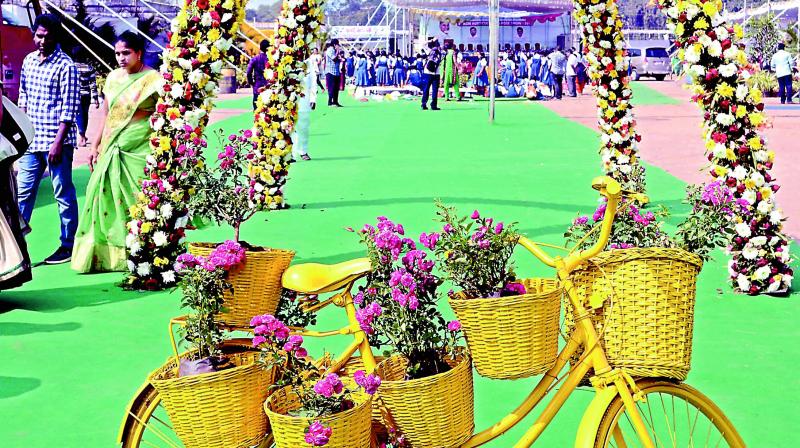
x: 313, y: 106
x: 435, y: 108
x: 61, y: 255
x: 305, y: 157
x: 338, y: 105
x: 424, y: 107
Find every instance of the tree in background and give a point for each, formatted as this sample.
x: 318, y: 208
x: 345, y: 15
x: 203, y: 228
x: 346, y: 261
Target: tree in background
x: 763, y: 36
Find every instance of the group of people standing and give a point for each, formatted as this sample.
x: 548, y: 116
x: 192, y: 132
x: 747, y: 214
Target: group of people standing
x: 541, y: 73
x: 92, y: 237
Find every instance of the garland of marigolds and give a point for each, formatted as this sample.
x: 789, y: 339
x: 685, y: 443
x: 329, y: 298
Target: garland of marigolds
x: 199, y: 40
x: 276, y: 113
x: 607, y: 69
x: 733, y: 117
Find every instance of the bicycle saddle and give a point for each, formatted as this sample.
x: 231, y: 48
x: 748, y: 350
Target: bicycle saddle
x: 317, y: 278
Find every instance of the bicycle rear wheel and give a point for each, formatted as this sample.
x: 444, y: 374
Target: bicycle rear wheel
x: 676, y: 415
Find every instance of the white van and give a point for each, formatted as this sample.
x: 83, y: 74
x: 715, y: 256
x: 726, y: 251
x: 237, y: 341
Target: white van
x: 649, y: 58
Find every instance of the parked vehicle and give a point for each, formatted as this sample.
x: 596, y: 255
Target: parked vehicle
x: 649, y: 58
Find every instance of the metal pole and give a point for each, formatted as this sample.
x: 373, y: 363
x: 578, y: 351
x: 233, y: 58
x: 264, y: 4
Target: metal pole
x: 494, y: 29
x: 99, y: 59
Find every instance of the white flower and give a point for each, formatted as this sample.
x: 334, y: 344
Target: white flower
x: 131, y: 266
x: 715, y: 49
x: 614, y: 84
x: 166, y: 210
x: 774, y: 286
x: 749, y: 252
x: 206, y: 19
x: 719, y: 150
x: 739, y: 173
x: 143, y: 269
x: 697, y: 70
x: 728, y: 70
x: 133, y: 227
x: 182, y: 221
x: 742, y: 230
x: 705, y: 40
x: 749, y: 196
x: 149, y: 214
x: 196, y: 76
x: 722, y: 33
x: 160, y: 238
x: 762, y: 273
x: 731, y: 272
x: 168, y: 276
x: 215, y: 66
x: 764, y: 207
x: 691, y: 55
x: 226, y: 17
x: 775, y: 217
x: 760, y: 155
x: 135, y: 247
x: 177, y: 91
x: 725, y: 119
x: 757, y: 178
x: 758, y: 240
x: 743, y: 283
x: 787, y: 279
x: 185, y: 63
x: 741, y: 94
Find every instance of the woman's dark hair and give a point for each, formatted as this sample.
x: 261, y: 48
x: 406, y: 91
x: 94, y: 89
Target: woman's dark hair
x: 50, y: 22
x: 131, y: 40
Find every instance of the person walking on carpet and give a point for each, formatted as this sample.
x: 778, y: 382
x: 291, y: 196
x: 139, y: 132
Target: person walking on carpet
x: 332, y: 73
x: 48, y: 94
x: 117, y: 160
x: 430, y: 76
x: 255, y: 71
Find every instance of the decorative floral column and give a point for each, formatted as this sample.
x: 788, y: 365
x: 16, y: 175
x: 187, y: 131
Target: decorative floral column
x: 199, y: 40
x: 299, y: 25
x: 732, y: 118
x: 607, y: 68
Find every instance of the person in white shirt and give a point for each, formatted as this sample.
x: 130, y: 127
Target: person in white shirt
x: 781, y: 64
x: 312, y: 72
x: 572, y: 74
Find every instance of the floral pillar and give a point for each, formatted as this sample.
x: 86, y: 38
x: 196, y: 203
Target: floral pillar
x: 607, y: 68
x: 299, y: 25
x: 732, y: 118
x: 199, y: 40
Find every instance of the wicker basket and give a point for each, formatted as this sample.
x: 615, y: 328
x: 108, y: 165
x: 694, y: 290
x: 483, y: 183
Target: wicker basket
x: 432, y: 412
x: 216, y: 410
x: 256, y: 283
x: 647, y: 314
x: 350, y: 429
x: 512, y: 337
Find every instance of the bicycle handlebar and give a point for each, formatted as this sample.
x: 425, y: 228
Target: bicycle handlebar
x: 612, y: 191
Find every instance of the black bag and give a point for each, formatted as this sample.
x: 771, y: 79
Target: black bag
x: 16, y: 127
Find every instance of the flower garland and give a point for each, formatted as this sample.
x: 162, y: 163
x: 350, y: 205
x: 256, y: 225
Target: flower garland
x: 732, y: 120
x: 300, y: 24
x: 607, y: 69
x: 199, y: 40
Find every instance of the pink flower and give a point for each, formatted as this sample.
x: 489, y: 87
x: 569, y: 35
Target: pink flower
x: 498, y: 228
x: 513, y: 289
x: 329, y: 385
x: 453, y: 325
x: 318, y: 434
x: 580, y: 220
x: 370, y: 383
x: 448, y: 228
x: 258, y: 340
x: 475, y: 215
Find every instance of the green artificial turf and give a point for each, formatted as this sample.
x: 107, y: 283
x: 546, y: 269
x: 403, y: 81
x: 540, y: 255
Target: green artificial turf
x: 75, y: 347
x: 644, y: 95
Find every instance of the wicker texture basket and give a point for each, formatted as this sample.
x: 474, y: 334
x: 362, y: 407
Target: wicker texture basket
x: 647, y: 315
x: 432, y: 412
x: 350, y: 429
x: 216, y: 410
x: 512, y: 337
x: 256, y: 283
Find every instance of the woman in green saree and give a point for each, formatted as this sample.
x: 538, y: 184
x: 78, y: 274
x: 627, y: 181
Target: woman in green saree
x: 117, y: 160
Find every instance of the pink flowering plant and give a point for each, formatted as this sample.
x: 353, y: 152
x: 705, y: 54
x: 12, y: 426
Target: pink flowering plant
x: 475, y: 253
x: 202, y: 281
x: 222, y: 191
x: 320, y: 394
x: 633, y: 227
x: 397, y: 306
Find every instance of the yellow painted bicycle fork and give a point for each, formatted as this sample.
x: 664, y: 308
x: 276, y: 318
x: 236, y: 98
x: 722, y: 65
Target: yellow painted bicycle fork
x: 608, y: 382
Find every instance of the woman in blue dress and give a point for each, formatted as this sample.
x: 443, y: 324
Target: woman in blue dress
x: 371, y: 68
x: 382, y: 69
x: 481, y: 75
x: 508, y: 77
x: 350, y: 65
x: 362, y: 76
x: 399, y: 71
x: 414, y: 77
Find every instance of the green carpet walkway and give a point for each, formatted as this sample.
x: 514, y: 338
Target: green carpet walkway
x: 75, y: 347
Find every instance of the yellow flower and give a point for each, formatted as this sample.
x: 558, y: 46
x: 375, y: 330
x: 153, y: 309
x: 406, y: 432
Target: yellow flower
x: 766, y: 192
x: 164, y: 143
x: 177, y: 74
x: 749, y: 184
x: 725, y: 90
x: 214, y: 53
x: 710, y: 8
x: 213, y: 35
x: 738, y: 31
x: 203, y: 57
x: 755, y: 143
x: 160, y: 261
x: 741, y: 112
x: 755, y: 94
x: 756, y: 118
x: 730, y: 155
x: 679, y: 29
x: 701, y: 24
x: 146, y: 227
x: 134, y: 211
x: 720, y: 170
x: 771, y: 156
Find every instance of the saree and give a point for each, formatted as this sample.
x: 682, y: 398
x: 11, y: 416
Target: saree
x: 118, y: 173
x: 15, y: 264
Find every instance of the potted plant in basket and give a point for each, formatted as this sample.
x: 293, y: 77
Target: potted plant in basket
x: 511, y: 325
x: 228, y: 387
x: 222, y: 195
x: 307, y: 408
x: 426, y: 379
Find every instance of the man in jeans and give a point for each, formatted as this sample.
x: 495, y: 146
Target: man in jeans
x: 256, y: 69
x: 48, y: 93
x: 332, y: 73
x: 558, y: 66
x: 781, y: 64
x: 430, y: 76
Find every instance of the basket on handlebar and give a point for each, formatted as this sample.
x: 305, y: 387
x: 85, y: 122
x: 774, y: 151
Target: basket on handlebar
x: 512, y: 337
x: 647, y: 314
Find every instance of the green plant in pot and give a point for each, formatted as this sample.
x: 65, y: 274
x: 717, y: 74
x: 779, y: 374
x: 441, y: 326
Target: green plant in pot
x: 223, y: 195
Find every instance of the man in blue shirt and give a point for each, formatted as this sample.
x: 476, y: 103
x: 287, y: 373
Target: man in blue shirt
x: 255, y: 71
x: 48, y: 94
x: 781, y: 64
x: 333, y: 73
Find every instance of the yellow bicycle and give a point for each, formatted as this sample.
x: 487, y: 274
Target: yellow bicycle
x: 625, y: 412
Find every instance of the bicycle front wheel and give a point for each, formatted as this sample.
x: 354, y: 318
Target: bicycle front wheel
x: 676, y: 416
